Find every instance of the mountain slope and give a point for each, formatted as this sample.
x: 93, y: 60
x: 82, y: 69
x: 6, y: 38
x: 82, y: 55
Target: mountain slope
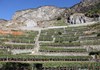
x: 84, y: 6
x: 48, y: 16
x: 3, y: 22
x: 40, y: 17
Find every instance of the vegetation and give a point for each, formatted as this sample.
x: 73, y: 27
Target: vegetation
x: 95, y: 10
x: 49, y: 65
x: 91, y: 42
x: 45, y: 38
x: 24, y: 57
x: 27, y: 37
x: 18, y: 46
x: 64, y: 44
x: 60, y: 22
x: 4, y: 51
x: 59, y: 40
x: 70, y: 64
x: 15, y: 66
x: 51, y: 49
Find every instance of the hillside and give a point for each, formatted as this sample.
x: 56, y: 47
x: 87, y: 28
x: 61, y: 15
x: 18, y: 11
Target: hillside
x: 86, y: 11
x: 84, y: 6
x: 52, y: 38
x: 54, y: 48
x: 3, y: 22
x: 94, y: 11
x: 40, y: 17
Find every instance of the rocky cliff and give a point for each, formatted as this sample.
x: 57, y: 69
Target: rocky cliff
x: 39, y: 14
x: 47, y: 16
x: 36, y: 17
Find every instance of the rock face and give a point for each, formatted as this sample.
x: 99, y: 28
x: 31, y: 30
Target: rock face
x: 78, y: 13
x: 83, y: 6
x: 3, y: 23
x: 39, y: 14
x: 47, y: 16
x: 90, y: 2
x: 78, y: 18
x: 32, y: 17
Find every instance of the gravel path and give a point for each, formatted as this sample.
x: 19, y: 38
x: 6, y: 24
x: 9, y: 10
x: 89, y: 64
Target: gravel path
x: 37, y: 46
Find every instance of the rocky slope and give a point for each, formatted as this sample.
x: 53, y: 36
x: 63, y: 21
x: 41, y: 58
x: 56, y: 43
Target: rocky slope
x: 47, y: 16
x: 3, y: 22
x: 39, y: 14
x: 88, y: 11
x: 83, y: 6
x: 36, y: 17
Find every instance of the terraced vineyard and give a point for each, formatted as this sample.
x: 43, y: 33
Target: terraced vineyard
x: 66, y: 48
x: 11, y: 42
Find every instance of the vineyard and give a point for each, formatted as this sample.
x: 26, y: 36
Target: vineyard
x: 66, y: 48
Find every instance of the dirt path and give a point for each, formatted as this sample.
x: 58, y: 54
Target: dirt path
x: 37, y: 46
